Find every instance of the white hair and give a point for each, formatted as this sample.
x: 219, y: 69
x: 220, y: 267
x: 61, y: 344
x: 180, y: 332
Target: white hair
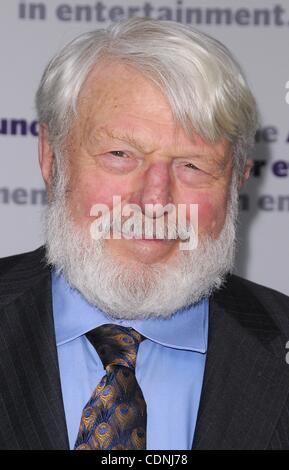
x: 198, y: 75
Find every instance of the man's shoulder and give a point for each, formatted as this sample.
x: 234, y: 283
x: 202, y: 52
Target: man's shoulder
x: 19, y: 272
x: 255, y: 306
x: 262, y: 293
x: 17, y: 265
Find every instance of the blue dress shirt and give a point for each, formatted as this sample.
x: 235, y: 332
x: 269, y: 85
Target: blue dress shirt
x: 169, y: 369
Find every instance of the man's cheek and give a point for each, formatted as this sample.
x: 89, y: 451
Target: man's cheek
x: 210, y: 215
x: 211, y: 220
x: 104, y: 193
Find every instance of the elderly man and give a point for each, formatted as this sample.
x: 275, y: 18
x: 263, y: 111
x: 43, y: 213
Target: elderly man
x: 118, y: 335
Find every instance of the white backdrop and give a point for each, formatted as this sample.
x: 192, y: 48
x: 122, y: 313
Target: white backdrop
x: 257, y: 31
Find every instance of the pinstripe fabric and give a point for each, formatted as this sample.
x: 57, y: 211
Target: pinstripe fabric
x: 31, y: 408
x: 246, y: 384
x: 245, y: 396
x: 280, y: 438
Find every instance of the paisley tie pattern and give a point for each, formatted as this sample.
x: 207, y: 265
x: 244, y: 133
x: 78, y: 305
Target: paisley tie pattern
x: 115, y: 416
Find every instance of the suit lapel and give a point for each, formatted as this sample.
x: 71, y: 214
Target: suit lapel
x: 246, y: 382
x: 31, y: 407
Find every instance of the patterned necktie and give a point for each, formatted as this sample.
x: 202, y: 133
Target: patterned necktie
x: 115, y: 416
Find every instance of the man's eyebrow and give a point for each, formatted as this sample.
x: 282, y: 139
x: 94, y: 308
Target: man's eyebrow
x: 121, y: 136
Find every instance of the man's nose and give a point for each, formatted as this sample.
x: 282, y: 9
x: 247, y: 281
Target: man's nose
x: 156, y: 187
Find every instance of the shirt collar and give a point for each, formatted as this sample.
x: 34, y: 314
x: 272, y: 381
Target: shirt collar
x: 74, y: 316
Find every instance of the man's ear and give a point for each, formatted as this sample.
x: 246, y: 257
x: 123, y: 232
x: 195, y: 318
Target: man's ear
x: 45, y: 156
x: 246, y: 173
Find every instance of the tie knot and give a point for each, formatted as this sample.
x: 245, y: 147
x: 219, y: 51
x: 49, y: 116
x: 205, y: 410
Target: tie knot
x: 116, y: 345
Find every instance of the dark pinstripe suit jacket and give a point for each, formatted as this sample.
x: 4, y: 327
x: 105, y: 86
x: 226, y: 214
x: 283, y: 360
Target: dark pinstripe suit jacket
x: 245, y: 397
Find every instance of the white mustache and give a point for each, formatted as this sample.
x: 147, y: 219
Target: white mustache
x: 147, y: 228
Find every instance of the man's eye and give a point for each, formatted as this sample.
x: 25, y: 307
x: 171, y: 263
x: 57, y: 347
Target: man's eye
x: 118, y: 153
x: 192, y: 166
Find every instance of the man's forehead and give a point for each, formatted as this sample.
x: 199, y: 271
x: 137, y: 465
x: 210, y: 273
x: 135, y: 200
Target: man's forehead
x: 109, y: 76
x: 117, y: 102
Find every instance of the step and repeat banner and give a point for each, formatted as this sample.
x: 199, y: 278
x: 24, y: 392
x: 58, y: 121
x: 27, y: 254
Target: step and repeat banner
x: 257, y: 32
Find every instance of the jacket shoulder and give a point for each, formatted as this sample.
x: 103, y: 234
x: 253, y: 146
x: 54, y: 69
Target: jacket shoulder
x: 256, y: 305
x: 262, y: 293
x: 19, y: 272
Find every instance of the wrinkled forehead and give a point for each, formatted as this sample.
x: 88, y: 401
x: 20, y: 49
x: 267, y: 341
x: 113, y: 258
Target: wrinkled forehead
x: 119, y: 104
x: 114, y: 85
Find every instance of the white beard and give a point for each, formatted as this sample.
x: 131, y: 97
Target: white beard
x: 130, y: 289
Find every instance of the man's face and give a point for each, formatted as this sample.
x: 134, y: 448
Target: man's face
x: 125, y: 142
